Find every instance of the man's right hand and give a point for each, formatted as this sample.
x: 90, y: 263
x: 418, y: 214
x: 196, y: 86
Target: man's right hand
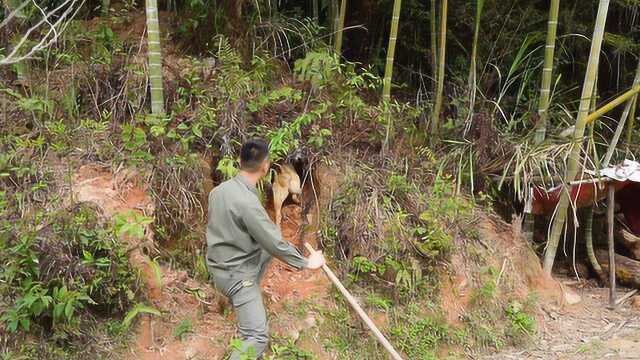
x: 315, y: 260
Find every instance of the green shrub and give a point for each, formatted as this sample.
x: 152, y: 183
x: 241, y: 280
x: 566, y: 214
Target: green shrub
x: 71, y: 264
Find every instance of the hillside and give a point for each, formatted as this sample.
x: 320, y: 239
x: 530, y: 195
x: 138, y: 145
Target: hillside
x: 414, y: 192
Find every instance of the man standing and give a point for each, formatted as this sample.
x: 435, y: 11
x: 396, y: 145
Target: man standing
x: 241, y: 240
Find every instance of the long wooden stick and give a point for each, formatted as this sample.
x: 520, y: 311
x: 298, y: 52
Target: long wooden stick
x: 612, y: 258
x: 354, y: 304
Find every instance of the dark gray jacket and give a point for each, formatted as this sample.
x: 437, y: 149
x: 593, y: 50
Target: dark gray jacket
x: 239, y: 229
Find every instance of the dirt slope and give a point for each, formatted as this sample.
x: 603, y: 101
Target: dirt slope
x: 180, y: 297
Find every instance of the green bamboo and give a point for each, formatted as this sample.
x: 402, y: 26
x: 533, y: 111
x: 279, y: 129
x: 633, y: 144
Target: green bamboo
x: 442, y: 45
x: 340, y: 24
x: 473, y: 71
x: 588, y: 227
x: 155, y: 58
x: 315, y: 10
x: 574, y: 155
x: 632, y: 120
x: 595, y: 115
x: 388, y: 69
x: 547, y: 72
x: 588, y: 233
x: 104, y: 9
x: 623, y: 119
x: 434, y: 43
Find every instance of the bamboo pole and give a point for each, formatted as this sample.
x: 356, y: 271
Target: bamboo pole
x: 625, y: 115
x: 547, y: 72
x: 340, y: 24
x: 632, y: 120
x: 612, y: 104
x: 581, y: 122
x: 316, y: 20
x: 588, y: 233
x: 354, y: 304
x: 612, y: 259
x: 434, y: 43
x: 104, y: 7
x: 155, y: 58
x: 388, y: 69
x: 473, y: 71
x: 442, y: 45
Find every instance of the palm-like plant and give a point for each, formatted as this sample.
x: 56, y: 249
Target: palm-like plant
x: 576, y: 146
x: 155, y: 58
x: 547, y: 72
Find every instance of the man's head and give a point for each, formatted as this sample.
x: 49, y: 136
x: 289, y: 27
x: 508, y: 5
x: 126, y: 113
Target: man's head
x: 254, y: 157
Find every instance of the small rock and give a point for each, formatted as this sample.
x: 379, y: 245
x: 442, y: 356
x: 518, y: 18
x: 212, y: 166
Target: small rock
x: 571, y: 297
x: 310, y: 321
x: 293, y: 334
x: 190, y: 353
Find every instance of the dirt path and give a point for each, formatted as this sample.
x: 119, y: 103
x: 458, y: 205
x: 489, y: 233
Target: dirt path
x: 585, y: 331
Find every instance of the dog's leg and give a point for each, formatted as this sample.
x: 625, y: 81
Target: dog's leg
x: 279, y: 195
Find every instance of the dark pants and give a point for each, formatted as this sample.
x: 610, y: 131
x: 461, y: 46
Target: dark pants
x: 246, y: 297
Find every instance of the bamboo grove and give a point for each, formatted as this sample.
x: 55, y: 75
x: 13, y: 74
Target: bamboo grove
x: 459, y: 76
x: 438, y: 42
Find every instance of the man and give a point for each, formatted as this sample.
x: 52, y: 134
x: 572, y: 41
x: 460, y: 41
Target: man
x: 241, y: 239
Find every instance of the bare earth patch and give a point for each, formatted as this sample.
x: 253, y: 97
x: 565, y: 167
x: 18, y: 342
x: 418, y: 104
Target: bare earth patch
x: 587, y: 330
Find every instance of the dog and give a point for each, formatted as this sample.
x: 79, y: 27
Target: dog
x: 286, y: 182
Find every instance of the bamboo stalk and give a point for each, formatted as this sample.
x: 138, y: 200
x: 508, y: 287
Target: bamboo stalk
x: 574, y: 155
x: 632, y: 120
x: 434, y: 44
x: 442, y: 45
x: 340, y: 24
x: 473, y: 71
x: 612, y: 104
x: 625, y: 114
x: 354, y: 304
x: 612, y: 260
x: 155, y: 58
x: 547, y: 72
x: 388, y: 69
x: 104, y: 8
x: 588, y: 233
x: 315, y: 10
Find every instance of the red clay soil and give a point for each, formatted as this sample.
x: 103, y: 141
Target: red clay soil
x: 175, y: 295
x: 507, y: 252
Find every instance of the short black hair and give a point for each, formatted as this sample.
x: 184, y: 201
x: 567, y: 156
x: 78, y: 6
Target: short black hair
x: 253, y: 153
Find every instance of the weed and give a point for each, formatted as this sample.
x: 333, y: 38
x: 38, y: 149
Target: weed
x: 379, y: 302
x: 184, y: 327
x: 289, y: 351
x: 521, y: 322
x: 419, y: 339
x: 137, y: 310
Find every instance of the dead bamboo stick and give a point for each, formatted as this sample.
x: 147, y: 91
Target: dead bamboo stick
x: 354, y: 304
x: 612, y: 259
x: 626, y: 296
